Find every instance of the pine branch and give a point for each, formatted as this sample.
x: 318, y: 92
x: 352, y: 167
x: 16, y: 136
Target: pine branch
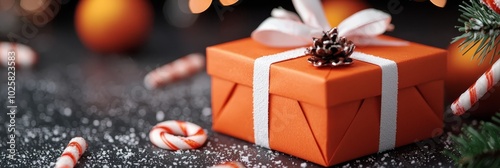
x: 478, y: 147
x: 481, y: 26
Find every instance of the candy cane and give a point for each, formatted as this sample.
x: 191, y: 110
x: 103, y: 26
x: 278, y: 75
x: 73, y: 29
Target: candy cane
x: 25, y: 57
x: 179, y: 69
x: 164, y: 136
x: 492, y: 4
x: 72, y: 153
x: 477, y: 90
x: 229, y: 165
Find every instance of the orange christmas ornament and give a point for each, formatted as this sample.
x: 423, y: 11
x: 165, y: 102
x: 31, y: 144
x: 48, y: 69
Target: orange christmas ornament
x: 462, y: 73
x: 113, y: 26
x: 198, y: 6
x: 338, y: 10
x: 439, y: 3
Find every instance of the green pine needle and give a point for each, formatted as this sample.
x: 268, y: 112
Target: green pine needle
x: 478, y: 147
x: 481, y: 26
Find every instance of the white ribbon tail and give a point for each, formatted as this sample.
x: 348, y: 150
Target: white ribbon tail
x: 260, y: 92
x: 389, y: 99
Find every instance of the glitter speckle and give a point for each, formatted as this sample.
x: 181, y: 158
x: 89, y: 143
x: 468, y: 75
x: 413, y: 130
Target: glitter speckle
x: 85, y: 120
x: 109, y: 123
x: 67, y: 112
x: 96, y: 123
x: 160, y: 116
x: 207, y: 111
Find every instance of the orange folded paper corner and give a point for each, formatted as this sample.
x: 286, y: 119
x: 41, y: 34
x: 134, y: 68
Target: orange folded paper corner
x: 327, y: 115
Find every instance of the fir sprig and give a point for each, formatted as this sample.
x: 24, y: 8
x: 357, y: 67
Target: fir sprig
x: 481, y: 26
x: 478, y: 147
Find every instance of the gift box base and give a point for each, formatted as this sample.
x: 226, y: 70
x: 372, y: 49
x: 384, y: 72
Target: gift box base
x: 328, y: 136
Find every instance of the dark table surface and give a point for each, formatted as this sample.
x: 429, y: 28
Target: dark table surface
x: 74, y: 92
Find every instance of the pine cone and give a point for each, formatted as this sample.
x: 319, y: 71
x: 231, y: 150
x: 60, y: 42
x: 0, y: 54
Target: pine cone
x: 330, y: 50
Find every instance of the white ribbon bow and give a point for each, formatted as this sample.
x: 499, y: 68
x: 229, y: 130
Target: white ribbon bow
x: 285, y: 29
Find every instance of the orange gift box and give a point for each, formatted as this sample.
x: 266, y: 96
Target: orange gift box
x: 327, y: 115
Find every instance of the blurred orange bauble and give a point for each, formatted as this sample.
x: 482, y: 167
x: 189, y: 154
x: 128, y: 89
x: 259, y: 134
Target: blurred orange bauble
x: 113, y: 26
x: 462, y: 73
x: 338, y: 10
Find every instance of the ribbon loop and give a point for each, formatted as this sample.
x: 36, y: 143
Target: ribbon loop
x: 363, y: 27
x: 312, y: 14
x: 284, y: 28
x: 271, y: 33
x: 365, y: 23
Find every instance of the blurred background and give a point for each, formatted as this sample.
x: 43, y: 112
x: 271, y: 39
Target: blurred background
x: 176, y: 29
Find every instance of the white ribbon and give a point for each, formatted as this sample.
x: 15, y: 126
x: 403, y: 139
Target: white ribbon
x: 389, y: 99
x: 284, y: 29
x: 260, y: 93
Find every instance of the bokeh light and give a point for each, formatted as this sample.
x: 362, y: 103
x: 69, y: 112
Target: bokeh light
x: 34, y: 5
x: 439, y: 3
x: 198, y: 6
x: 113, y: 26
x: 6, y: 4
x: 8, y: 22
x: 228, y: 2
x: 177, y: 13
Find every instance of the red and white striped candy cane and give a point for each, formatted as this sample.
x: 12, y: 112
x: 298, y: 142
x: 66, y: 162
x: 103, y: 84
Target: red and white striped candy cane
x: 24, y: 55
x: 179, y: 69
x: 229, y: 165
x: 492, y: 4
x: 72, y: 153
x: 164, y: 136
x: 477, y: 90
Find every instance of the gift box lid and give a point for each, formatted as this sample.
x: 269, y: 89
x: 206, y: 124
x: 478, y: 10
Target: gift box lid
x: 325, y: 87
